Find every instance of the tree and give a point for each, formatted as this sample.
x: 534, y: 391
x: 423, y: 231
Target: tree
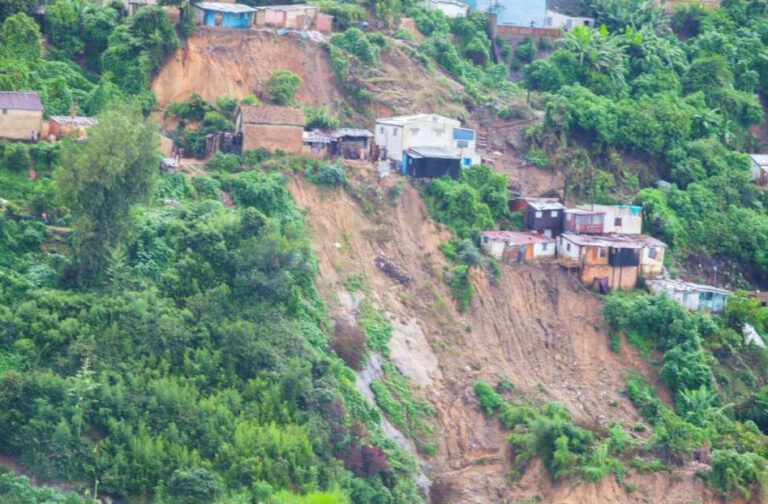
x: 19, y: 38
x: 195, y: 486
x: 102, y: 178
x: 17, y: 157
x: 282, y: 86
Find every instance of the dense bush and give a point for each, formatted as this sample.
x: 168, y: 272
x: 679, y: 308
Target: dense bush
x: 17, y: 157
x: 282, y: 87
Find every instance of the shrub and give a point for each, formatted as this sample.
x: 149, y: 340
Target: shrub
x: 282, y: 87
x: 488, y: 398
x: 17, y: 157
x: 401, y: 34
x: 320, y: 117
x: 216, y: 121
x: 206, y: 187
x: 229, y: 163
x: 327, y: 174
x: 740, y: 472
x: 195, y: 486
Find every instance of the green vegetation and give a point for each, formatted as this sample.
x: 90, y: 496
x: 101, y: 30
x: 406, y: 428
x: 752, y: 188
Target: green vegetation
x: 282, y: 87
x: 181, y: 354
x: 673, y: 102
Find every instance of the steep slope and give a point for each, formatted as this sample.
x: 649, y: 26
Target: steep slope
x: 235, y: 63
x: 537, y: 327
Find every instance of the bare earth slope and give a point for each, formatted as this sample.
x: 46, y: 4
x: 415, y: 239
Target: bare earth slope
x: 235, y: 63
x: 537, y: 327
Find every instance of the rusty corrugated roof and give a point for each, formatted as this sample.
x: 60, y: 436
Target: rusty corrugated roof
x: 20, y: 100
x: 271, y: 114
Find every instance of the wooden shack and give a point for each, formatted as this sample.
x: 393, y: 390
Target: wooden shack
x: 544, y: 215
x: 606, y: 262
x: 269, y: 127
x: 515, y: 246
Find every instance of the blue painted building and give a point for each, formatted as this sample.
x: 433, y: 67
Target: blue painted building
x: 514, y: 12
x: 224, y: 15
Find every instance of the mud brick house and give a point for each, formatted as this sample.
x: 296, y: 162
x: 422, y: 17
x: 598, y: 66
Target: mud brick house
x: 543, y: 215
x: 758, y: 168
x: 516, y: 247
x: 349, y: 143
x: 224, y: 15
x: 606, y: 262
x: 21, y: 116
x: 692, y: 296
x: 269, y: 127
x: 583, y: 221
x: 622, y: 219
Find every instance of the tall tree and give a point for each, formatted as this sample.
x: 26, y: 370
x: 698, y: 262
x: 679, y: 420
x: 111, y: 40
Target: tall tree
x: 102, y: 178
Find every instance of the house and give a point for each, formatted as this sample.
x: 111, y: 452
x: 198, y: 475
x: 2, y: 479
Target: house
x: 543, y: 215
x: 349, y: 143
x: 395, y: 135
x: 621, y: 219
x: 225, y: 15
x: 554, y: 19
x: 451, y: 8
x: 516, y: 247
x: 269, y: 127
x: 430, y: 162
x: 609, y: 262
x: 529, y: 13
x: 759, y: 168
x: 21, y: 115
x: 60, y: 126
x: 651, y: 255
x: 577, y: 220
x: 293, y: 17
x: 692, y: 296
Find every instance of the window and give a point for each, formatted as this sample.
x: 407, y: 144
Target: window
x: 544, y: 246
x: 414, y: 131
x: 652, y: 252
x: 5, y: 111
x: 553, y: 213
x: 462, y: 144
x: 381, y: 130
x: 617, y: 222
x: 485, y: 239
x: 439, y: 132
x: 568, y: 216
x: 467, y: 162
x: 394, y: 131
x: 601, y: 252
x: 568, y: 247
x: 539, y: 215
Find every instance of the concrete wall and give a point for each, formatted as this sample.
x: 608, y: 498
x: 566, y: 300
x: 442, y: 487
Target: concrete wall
x: 493, y: 248
x: 272, y: 137
x: 20, y: 124
x: 567, y: 250
x: 630, y: 224
x: 650, y: 266
x: 450, y: 9
x: 418, y: 133
x: 542, y: 250
x: 555, y: 19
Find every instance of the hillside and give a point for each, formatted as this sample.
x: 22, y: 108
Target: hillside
x: 233, y: 63
x: 537, y: 327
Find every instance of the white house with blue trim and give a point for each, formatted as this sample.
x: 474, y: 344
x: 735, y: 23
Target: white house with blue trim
x: 396, y: 135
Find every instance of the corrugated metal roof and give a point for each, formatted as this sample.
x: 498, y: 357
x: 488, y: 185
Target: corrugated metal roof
x: 681, y: 286
x: 20, y: 101
x: 74, y: 120
x: 234, y: 8
x: 328, y: 136
x: 545, y: 203
x: 431, y: 152
x: 615, y: 241
x: 517, y: 237
x: 270, y: 114
x: 404, y: 119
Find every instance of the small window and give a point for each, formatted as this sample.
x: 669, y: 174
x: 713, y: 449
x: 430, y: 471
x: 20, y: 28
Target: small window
x: 568, y: 216
x: 539, y: 215
x: 462, y: 144
x: 568, y: 247
x: 553, y: 213
x: 381, y: 130
x: 394, y: 131
x: 5, y: 111
x: 544, y: 246
x: 485, y: 239
x: 439, y: 132
x: 414, y: 131
x: 617, y: 222
x: 652, y: 252
x: 601, y: 252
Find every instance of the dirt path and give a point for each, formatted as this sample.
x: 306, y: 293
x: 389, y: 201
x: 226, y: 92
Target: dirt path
x: 537, y: 327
